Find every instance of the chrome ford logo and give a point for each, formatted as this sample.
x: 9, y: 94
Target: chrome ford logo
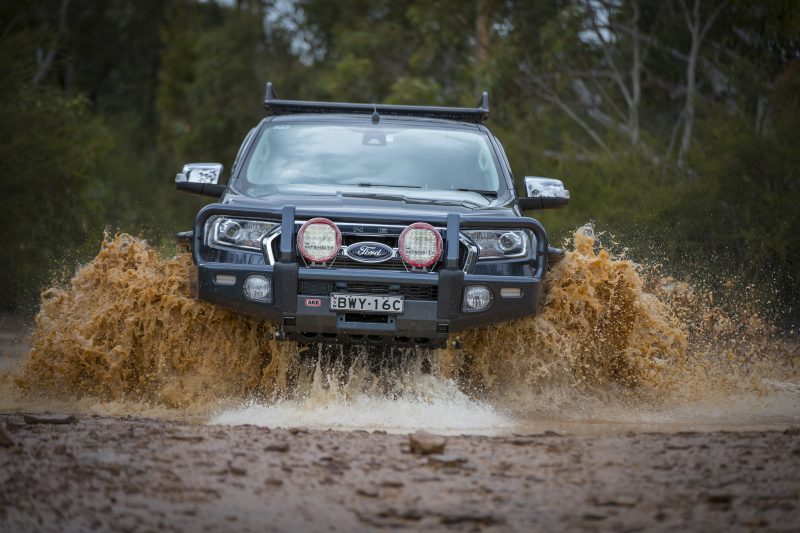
x: 369, y: 252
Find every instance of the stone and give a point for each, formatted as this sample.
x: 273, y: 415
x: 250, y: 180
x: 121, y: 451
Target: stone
x: 719, y: 498
x: 187, y: 438
x: 594, y: 517
x: 49, y: 419
x: 368, y: 492
x: 446, y: 460
x: 5, y: 438
x: 277, y: 447
x: 617, y: 501
x: 13, y: 424
x: 468, y: 516
x: 423, y: 442
x: 237, y: 470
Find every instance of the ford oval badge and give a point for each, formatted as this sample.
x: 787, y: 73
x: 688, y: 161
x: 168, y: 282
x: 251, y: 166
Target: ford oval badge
x: 369, y: 252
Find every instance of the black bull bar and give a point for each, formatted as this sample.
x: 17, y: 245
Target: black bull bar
x: 450, y: 279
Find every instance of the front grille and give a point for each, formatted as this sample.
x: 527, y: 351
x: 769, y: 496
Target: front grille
x: 394, y: 263
x: 350, y: 236
x: 411, y: 292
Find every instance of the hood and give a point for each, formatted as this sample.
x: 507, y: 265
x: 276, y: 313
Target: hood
x: 371, y: 200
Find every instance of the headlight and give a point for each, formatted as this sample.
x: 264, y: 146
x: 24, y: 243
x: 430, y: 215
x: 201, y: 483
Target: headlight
x: 237, y: 233
x: 420, y: 245
x: 501, y: 244
x: 319, y: 240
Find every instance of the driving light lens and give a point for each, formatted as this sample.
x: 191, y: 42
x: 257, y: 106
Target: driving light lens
x: 420, y: 245
x: 258, y: 288
x: 319, y: 240
x: 236, y: 233
x: 477, y: 298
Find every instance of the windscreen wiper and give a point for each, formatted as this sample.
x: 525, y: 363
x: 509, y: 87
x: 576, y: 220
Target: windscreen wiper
x: 482, y: 193
x: 387, y: 185
x: 411, y: 200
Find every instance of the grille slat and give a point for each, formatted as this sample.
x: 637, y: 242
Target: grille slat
x: 411, y: 292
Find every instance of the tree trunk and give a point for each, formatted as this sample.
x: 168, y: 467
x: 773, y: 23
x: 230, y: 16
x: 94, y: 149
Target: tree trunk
x: 45, y: 61
x: 483, y: 39
x: 698, y: 32
x: 691, y: 83
x: 636, y: 78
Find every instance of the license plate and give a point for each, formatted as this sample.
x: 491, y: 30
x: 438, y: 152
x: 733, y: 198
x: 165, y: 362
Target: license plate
x: 367, y: 303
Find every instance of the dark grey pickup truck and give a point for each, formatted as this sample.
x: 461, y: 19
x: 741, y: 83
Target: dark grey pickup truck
x: 371, y: 224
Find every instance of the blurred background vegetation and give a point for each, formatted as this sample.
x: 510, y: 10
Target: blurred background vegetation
x: 675, y: 123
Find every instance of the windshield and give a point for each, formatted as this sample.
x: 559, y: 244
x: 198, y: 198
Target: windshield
x: 367, y: 155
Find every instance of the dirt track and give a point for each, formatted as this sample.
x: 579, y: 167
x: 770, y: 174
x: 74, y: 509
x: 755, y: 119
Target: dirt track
x: 129, y: 474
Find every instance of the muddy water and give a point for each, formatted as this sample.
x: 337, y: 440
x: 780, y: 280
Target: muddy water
x: 613, y: 349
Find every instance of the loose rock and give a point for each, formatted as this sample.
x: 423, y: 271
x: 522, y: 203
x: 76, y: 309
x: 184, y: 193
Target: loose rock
x: 187, y: 438
x: 367, y: 491
x: 49, y: 419
x: 446, y: 460
x: 237, y: 470
x: 277, y: 447
x: 466, y: 516
x: 425, y: 443
x: 5, y: 438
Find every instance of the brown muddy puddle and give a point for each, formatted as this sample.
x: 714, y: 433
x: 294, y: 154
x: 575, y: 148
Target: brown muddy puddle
x: 614, y: 350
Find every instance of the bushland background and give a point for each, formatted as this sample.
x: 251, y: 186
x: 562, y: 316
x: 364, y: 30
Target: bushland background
x: 675, y: 123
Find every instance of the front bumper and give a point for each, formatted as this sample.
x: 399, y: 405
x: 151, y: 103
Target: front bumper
x: 306, y: 317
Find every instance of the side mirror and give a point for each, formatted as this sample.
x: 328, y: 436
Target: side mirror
x: 200, y: 178
x: 543, y: 193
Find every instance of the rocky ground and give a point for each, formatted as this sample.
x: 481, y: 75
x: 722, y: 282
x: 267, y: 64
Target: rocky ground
x: 132, y: 474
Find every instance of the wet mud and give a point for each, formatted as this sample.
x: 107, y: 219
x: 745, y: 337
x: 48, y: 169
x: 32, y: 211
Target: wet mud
x: 132, y: 474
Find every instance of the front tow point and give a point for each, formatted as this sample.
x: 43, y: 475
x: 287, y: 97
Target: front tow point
x: 280, y: 335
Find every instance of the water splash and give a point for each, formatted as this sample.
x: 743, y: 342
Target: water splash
x: 610, y: 343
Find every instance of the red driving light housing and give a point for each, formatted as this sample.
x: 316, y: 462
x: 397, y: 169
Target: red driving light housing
x: 402, y: 245
x: 301, y: 240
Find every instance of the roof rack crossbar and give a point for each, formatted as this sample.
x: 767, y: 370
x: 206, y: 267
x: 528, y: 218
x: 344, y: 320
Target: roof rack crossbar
x: 276, y: 106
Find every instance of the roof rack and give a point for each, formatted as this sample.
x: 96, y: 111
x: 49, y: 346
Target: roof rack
x: 276, y: 106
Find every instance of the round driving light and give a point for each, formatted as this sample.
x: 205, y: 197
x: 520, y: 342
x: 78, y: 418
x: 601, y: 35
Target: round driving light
x: 420, y: 245
x: 477, y: 298
x: 509, y: 242
x: 258, y: 288
x: 319, y: 240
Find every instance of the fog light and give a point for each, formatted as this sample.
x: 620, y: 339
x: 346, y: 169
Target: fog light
x: 477, y: 298
x: 258, y: 288
x: 511, y: 292
x: 225, y: 279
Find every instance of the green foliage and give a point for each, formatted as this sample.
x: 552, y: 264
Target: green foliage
x: 50, y: 146
x: 135, y: 90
